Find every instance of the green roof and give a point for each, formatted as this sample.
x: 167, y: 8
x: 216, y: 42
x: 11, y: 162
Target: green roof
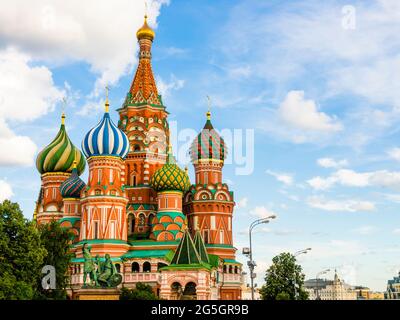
x: 191, y: 266
x: 146, y: 254
x: 219, y: 245
x: 186, y: 252
x: 214, y: 260
x: 200, y: 247
x: 231, y: 261
x: 139, y: 243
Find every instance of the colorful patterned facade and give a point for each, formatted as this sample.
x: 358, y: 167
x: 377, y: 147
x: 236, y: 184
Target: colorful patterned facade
x: 138, y: 205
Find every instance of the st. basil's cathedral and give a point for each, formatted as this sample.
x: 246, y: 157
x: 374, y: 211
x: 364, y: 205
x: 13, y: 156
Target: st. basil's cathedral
x: 138, y: 205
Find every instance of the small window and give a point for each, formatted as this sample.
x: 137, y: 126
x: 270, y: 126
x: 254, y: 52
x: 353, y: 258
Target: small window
x: 135, y: 267
x: 146, y: 267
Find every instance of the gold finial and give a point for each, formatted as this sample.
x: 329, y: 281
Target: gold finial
x: 75, y: 163
x: 145, y: 32
x: 208, y: 114
x: 107, y: 104
x: 63, y: 110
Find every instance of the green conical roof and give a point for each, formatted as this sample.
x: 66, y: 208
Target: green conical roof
x: 186, y: 252
x: 200, y: 247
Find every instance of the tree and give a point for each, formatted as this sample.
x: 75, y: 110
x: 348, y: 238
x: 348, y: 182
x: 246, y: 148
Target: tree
x: 21, y: 254
x: 141, y: 292
x: 280, y: 279
x: 56, y: 240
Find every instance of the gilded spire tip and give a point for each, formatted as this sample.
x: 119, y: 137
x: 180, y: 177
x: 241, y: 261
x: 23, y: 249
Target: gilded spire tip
x: 107, y: 104
x: 208, y: 114
x: 63, y: 118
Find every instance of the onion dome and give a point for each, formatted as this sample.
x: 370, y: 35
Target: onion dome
x: 71, y: 188
x: 170, y: 177
x: 105, y: 139
x: 145, y: 32
x: 208, y: 145
x: 59, y: 155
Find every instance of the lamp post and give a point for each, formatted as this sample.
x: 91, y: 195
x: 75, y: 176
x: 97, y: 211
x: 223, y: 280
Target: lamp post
x: 249, y: 252
x: 317, y: 277
x: 297, y: 253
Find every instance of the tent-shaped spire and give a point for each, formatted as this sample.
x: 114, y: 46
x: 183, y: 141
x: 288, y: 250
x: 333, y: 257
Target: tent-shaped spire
x: 200, y: 247
x: 186, y: 252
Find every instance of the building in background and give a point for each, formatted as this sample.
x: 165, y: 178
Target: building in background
x: 365, y: 293
x: 323, y: 289
x: 138, y: 205
x: 393, y: 288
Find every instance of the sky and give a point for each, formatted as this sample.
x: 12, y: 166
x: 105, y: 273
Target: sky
x: 308, y: 92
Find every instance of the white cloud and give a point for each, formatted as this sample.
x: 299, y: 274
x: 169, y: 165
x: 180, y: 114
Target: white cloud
x: 17, y: 150
x: 5, y: 190
x: 26, y: 93
x: 242, y: 203
x: 348, y: 205
x: 303, y: 114
x: 365, y: 230
x: 396, y: 231
x: 285, y: 178
x: 102, y: 35
x: 262, y: 212
x: 350, y: 178
x: 394, y: 154
x: 165, y: 87
x: 332, y: 163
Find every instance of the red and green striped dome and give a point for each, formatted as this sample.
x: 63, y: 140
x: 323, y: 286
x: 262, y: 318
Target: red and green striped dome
x: 208, y: 145
x: 60, y: 154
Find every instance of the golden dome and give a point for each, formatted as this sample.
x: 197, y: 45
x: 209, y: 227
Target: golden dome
x: 145, y: 32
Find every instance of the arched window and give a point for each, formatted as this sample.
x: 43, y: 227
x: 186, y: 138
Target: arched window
x: 150, y: 219
x: 135, y: 267
x: 230, y: 269
x: 133, y: 179
x: 142, y: 220
x: 118, y: 267
x: 236, y: 269
x: 132, y: 223
x: 224, y: 268
x: 136, y: 147
x: 146, y: 267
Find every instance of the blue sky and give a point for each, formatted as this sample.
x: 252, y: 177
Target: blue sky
x: 317, y: 82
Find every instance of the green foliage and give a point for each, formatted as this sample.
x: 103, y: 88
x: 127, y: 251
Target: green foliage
x: 141, y: 292
x: 56, y: 240
x: 21, y: 254
x: 279, y: 279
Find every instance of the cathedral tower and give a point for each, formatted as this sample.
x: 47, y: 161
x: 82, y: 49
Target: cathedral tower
x: 170, y: 182
x: 104, y: 199
x: 209, y: 202
x: 144, y: 120
x: 55, y: 163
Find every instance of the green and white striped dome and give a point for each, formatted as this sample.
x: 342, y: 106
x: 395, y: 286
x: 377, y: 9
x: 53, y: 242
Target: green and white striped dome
x: 60, y: 154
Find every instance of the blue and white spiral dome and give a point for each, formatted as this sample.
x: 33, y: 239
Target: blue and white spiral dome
x: 105, y: 139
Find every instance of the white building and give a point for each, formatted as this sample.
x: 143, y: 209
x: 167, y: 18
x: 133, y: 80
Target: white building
x: 323, y: 289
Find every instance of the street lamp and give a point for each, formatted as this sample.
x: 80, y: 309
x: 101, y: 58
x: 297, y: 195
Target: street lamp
x: 297, y: 253
x: 317, y: 277
x: 249, y: 251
